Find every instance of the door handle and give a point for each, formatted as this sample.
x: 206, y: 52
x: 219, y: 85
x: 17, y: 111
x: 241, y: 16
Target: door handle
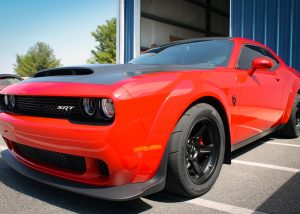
x: 277, y: 79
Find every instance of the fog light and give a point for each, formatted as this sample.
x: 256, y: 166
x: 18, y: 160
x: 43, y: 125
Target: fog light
x: 108, y: 107
x: 89, y: 106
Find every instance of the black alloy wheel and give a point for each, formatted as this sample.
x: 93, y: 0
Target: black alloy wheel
x: 202, y: 151
x: 196, y: 151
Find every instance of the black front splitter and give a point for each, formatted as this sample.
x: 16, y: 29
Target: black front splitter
x: 116, y: 193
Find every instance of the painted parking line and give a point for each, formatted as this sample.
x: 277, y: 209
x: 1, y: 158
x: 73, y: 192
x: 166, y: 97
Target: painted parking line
x: 283, y: 144
x: 2, y: 148
x: 266, y: 166
x: 222, y: 207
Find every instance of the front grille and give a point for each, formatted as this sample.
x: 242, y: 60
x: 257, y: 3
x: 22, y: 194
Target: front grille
x: 47, y: 106
x: 55, y: 107
x: 55, y: 159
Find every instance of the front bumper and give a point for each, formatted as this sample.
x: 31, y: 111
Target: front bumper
x: 132, y: 156
x: 117, y: 193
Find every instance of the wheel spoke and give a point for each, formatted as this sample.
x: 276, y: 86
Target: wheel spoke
x: 196, y: 167
x: 188, y: 165
x: 206, y: 150
x: 200, y: 132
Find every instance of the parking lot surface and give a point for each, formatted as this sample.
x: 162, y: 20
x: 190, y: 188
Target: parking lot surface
x: 263, y: 178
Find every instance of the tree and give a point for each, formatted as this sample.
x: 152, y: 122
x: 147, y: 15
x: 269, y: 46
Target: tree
x: 106, y: 49
x: 40, y: 56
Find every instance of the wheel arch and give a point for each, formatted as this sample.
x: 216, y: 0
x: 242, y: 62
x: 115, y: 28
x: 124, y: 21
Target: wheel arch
x: 295, y: 90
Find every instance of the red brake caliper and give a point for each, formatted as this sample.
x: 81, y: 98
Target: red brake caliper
x: 201, y: 141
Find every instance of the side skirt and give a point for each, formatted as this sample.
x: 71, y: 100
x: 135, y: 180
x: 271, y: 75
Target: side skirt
x: 255, y: 138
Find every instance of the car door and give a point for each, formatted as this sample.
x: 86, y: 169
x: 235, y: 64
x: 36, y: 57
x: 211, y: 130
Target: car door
x: 260, y: 94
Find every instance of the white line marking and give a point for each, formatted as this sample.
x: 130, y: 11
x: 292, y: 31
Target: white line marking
x: 222, y: 207
x: 2, y: 148
x: 283, y: 144
x: 266, y: 166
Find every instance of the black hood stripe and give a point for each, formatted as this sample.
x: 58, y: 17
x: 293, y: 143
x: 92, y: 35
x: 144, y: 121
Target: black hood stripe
x: 106, y: 74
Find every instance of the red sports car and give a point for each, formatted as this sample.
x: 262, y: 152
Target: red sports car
x: 169, y: 118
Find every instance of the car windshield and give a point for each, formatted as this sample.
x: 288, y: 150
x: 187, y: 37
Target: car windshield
x: 207, y: 52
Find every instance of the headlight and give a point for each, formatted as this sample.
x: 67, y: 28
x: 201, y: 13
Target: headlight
x: 12, y: 101
x: 6, y: 100
x: 89, y: 106
x: 108, y: 108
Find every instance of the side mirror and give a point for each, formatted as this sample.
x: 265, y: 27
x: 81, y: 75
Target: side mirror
x: 260, y: 63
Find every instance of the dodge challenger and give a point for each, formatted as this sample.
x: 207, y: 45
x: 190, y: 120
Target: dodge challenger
x: 169, y: 118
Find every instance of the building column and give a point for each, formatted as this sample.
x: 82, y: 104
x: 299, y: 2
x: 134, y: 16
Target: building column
x: 128, y: 30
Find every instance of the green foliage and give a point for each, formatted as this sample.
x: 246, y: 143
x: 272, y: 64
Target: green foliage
x: 105, y: 35
x: 40, y: 56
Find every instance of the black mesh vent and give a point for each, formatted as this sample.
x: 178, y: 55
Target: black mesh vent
x: 103, y: 168
x: 58, y: 160
x: 47, y: 106
x: 55, y: 107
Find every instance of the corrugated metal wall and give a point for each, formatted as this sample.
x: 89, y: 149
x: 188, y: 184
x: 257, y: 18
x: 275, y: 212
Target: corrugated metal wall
x: 275, y: 23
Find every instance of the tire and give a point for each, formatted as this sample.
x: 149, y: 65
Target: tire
x: 199, y: 137
x: 292, y: 128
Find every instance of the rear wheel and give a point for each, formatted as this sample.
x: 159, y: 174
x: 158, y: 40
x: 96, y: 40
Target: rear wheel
x: 292, y: 128
x: 197, y: 148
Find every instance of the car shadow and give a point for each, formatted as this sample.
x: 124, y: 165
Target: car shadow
x: 251, y: 146
x: 167, y: 197
x: 63, y: 199
x: 285, y: 199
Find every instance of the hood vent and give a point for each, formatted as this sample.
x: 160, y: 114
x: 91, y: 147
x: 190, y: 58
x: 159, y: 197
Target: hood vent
x: 64, y: 72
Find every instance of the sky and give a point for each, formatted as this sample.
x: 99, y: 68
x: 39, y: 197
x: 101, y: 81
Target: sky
x: 65, y: 25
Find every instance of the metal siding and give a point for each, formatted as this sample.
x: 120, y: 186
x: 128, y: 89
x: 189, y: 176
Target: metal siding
x: 296, y: 33
x: 272, y: 25
x: 248, y: 5
x: 271, y: 22
x: 129, y: 33
x: 285, y: 25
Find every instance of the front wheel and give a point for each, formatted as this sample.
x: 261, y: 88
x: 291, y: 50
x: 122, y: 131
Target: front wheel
x: 197, y: 148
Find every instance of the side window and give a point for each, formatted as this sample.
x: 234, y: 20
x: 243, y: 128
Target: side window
x: 271, y: 57
x: 248, y: 53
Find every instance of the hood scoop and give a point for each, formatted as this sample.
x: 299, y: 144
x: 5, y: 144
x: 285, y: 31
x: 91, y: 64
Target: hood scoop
x: 64, y: 72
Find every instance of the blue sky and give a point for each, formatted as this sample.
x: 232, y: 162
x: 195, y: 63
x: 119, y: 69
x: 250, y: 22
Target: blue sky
x: 65, y: 25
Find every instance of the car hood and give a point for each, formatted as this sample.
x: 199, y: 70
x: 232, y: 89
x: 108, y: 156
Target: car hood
x: 106, y: 74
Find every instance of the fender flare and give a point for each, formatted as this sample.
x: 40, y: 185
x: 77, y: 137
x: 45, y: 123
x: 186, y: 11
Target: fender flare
x: 188, y: 99
x: 292, y: 96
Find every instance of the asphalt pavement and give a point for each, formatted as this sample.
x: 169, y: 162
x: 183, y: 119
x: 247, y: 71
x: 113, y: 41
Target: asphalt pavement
x: 263, y: 178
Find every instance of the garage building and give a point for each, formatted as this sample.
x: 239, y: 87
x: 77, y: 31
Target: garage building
x: 143, y: 24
